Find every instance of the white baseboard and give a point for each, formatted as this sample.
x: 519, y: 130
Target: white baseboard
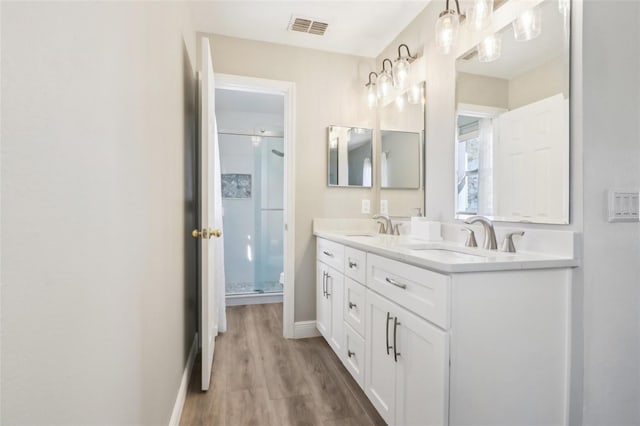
x: 253, y: 299
x: 184, y: 384
x: 303, y: 329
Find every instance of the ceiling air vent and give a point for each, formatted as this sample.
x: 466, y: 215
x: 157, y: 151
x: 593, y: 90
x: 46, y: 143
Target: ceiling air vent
x: 307, y: 25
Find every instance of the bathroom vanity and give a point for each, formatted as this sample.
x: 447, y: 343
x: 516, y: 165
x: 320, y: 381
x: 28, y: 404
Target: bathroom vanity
x: 439, y: 334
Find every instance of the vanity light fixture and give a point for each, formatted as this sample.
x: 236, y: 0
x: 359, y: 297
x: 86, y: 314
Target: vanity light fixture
x: 400, y: 103
x: 528, y: 25
x: 447, y: 28
x: 489, y: 48
x: 479, y: 13
x: 384, y: 80
x: 372, y: 94
x: 401, y: 66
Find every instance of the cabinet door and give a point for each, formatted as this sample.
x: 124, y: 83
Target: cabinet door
x: 422, y: 371
x: 323, y: 305
x: 379, y: 363
x: 335, y: 298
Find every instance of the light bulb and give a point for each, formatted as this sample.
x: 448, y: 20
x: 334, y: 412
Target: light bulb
x: 372, y: 96
x: 527, y: 26
x: 447, y: 31
x: 400, y: 103
x: 414, y: 95
x: 490, y: 48
x: 400, y: 73
x: 479, y: 13
x: 384, y: 84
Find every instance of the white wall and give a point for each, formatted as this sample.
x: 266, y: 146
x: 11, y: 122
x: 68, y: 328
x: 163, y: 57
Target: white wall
x: 611, y: 251
x: 329, y: 88
x: 98, y: 134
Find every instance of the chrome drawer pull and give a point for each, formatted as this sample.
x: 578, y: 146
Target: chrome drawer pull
x: 350, y: 354
x: 352, y: 265
x: 327, y: 293
x: 396, y: 283
x: 328, y: 253
x: 387, y: 330
x: 352, y: 305
x: 324, y: 283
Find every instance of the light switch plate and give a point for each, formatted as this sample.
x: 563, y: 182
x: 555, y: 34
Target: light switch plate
x: 384, y: 207
x: 624, y: 206
x: 366, y: 206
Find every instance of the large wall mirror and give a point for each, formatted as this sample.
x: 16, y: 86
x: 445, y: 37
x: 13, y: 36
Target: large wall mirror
x: 349, y: 153
x: 512, y: 121
x: 401, y: 140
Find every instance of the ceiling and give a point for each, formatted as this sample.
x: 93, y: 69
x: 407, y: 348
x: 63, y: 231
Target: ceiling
x: 362, y: 28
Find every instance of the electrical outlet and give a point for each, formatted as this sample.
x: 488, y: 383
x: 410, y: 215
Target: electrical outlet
x: 384, y: 207
x: 366, y: 207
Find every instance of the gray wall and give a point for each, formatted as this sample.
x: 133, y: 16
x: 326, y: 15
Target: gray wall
x: 98, y: 138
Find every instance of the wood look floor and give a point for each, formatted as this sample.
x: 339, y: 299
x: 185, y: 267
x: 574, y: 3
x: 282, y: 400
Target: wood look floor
x: 261, y: 378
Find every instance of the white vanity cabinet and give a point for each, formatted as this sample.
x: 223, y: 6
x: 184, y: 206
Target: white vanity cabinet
x: 330, y: 294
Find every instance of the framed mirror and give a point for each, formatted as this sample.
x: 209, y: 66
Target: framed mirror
x: 349, y: 156
x: 512, y: 120
x: 401, y: 140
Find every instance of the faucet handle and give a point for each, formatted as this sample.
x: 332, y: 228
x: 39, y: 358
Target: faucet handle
x: 471, y: 238
x: 507, y: 243
x: 395, y: 229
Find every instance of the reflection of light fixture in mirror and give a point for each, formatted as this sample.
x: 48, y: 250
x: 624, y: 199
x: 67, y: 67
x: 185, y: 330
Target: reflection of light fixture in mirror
x: 357, y: 130
x: 400, y: 103
x: 527, y: 26
x: 400, y: 70
x: 414, y: 95
x: 490, y: 48
x: 479, y: 13
x: 447, y: 28
x: 255, y: 140
x: 384, y: 80
x: 372, y: 95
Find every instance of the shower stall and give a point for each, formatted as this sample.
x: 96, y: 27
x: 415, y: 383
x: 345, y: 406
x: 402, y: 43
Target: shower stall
x: 252, y: 168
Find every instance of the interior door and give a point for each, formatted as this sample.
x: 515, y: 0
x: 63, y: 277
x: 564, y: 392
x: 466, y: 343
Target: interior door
x: 209, y: 216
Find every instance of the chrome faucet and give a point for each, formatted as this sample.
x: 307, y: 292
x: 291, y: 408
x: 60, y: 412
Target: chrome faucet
x: 490, y: 242
x: 386, y: 226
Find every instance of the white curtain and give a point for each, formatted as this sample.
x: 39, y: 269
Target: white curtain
x: 366, y: 172
x: 384, y: 169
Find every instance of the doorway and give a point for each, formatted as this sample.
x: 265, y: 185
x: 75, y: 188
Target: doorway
x: 255, y: 130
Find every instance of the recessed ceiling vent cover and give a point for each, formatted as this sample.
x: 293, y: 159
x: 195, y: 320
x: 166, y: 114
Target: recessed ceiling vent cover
x: 307, y: 25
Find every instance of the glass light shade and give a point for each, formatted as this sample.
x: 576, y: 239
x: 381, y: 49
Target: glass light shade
x: 490, y: 48
x: 414, y: 95
x: 372, y: 96
x: 528, y: 25
x: 400, y: 103
x: 384, y: 84
x: 400, y: 73
x: 479, y: 13
x: 447, y: 31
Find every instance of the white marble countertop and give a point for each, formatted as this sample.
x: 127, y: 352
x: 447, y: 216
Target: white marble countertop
x: 447, y: 257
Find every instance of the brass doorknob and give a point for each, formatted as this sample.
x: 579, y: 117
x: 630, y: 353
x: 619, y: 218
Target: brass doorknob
x: 206, y: 233
x: 196, y: 233
x: 215, y: 233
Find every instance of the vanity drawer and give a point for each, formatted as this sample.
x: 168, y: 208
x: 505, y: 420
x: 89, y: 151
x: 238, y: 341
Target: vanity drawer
x: 355, y: 264
x: 421, y: 291
x: 354, y: 354
x: 354, y: 305
x: 331, y: 253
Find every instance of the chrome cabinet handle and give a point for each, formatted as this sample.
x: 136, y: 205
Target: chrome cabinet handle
x: 396, y: 323
x: 352, y: 264
x: 350, y: 354
x: 352, y: 305
x: 324, y: 283
x: 396, y: 283
x: 327, y: 293
x: 327, y: 253
x: 387, y: 330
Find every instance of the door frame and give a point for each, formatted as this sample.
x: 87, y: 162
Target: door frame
x: 288, y: 90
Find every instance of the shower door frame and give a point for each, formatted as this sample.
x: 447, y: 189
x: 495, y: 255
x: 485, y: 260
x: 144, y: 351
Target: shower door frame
x: 288, y: 90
